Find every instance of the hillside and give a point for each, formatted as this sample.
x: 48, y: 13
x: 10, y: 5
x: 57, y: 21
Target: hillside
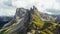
x: 30, y: 21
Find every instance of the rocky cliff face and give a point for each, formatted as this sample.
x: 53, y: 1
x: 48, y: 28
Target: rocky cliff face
x: 20, y: 20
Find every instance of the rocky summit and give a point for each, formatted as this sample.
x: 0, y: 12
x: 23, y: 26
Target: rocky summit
x: 31, y: 21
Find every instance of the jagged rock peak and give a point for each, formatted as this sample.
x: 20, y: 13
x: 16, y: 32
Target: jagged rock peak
x: 20, y: 12
x: 33, y: 9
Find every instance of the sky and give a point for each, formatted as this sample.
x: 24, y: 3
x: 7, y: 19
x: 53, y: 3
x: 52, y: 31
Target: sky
x: 8, y: 7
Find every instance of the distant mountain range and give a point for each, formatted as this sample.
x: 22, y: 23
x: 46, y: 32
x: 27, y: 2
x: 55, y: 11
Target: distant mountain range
x: 5, y: 19
x: 49, y: 17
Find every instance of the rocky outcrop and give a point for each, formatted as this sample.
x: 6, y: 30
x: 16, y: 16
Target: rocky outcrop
x: 20, y: 13
x: 20, y: 21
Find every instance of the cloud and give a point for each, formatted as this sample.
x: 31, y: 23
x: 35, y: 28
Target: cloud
x: 58, y: 1
x: 42, y: 5
x: 54, y: 11
x: 8, y: 7
x: 7, y: 12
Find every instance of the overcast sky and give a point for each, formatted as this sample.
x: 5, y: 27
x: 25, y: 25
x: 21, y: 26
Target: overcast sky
x: 8, y: 7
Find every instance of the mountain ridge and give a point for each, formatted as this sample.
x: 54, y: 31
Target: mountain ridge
x: 29, y: 21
